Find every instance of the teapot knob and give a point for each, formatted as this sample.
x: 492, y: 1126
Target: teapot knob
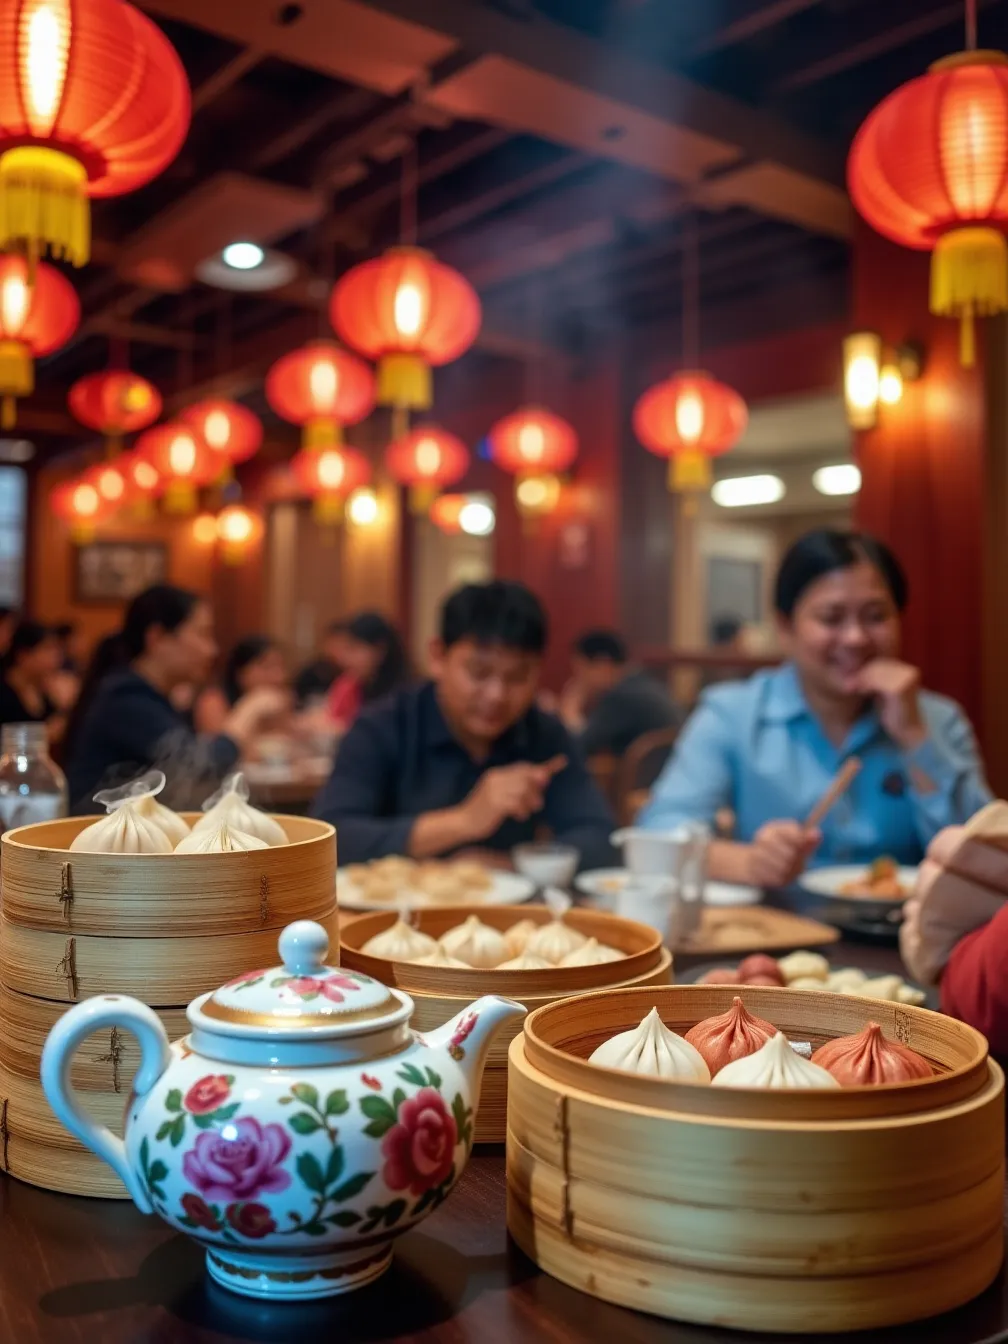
x: 303, y: 947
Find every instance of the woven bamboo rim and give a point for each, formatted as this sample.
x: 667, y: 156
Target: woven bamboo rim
x: 46, y: 886
x: 559, y: 1038
x: 30, y: 1115
x: 642, y: 945
x: 69, y: 1171
x: 162, y: 972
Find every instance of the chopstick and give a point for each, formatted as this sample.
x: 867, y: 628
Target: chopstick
x: 842, y: 781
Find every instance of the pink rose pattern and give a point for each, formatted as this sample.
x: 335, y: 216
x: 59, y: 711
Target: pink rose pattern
x: 309, y: 987
x: 419, y: 1150
x: 241, y: 1167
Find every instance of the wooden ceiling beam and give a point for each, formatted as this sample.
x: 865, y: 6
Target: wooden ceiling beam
x: 755, y: 23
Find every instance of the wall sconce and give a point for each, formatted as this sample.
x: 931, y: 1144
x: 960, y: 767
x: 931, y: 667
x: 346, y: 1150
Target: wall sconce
x: 869, y: 381
x: 362, y: 507
x: 204, y: 529
x: 537, y: 495
x: 238, y: 530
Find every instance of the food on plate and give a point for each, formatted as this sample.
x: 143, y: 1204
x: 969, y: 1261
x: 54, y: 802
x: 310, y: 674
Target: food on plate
x: 526, y: 961
x: 729, y: 1036
x: 400, y: 942
x: 845, y: 981
x: 518, y: 935
x: 770, y: 981
x: 439, y: 957
x: 721, y: 975
x: 808, y: 982
x: 880, y: 882
x: 592, y: 953
x: 760, y: 964
x: 774, y: 1064
x: 431, y: 882
x: 475, y: 943
x: 869, y: 1057
x: 891, y: 987
x: 230, y: 803
x: 651, y: 1048
x: 800, y: 965
x: 219, y: 839
x: 554, y: 941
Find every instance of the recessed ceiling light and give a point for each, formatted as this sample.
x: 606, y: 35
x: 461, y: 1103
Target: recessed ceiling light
x: 843, y: 479
x: 740, y: 491
x: 243, y: 256
x: 270, y: 272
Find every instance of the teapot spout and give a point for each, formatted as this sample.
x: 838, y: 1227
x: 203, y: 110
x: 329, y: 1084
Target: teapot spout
x: 468, y: 1035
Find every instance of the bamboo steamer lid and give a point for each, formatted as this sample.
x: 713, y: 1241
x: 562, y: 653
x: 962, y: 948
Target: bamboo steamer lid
x: 159, y: 971
x: 47, y: 886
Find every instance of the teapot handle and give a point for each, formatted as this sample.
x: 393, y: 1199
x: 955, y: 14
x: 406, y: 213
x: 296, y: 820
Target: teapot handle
x: 62, y: 1044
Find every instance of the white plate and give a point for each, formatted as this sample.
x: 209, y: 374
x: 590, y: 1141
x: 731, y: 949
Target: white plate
x: 504, y: 889
x: 828, y: 882
x: 605, y: 883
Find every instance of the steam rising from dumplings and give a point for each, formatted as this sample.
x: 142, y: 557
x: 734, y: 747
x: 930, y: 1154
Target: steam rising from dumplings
x: 136, y: 823
x: 653, y: 1049
x: 230, y: 803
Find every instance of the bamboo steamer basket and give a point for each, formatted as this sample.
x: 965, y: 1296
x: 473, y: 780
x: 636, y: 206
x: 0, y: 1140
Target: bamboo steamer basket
x: 787, y: 1211
x: 45, y: 886
x: 159, y: 971
x: 440, y: 992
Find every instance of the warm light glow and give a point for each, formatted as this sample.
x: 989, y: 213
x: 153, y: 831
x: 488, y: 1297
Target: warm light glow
x: 182, y: 455
x: 217, y: 429
x: 862, y: 357
x: 741, y: 491
x: 331, y: 470
x: 136, y: 396
x: 538, y: 494
x: 890, y: 385
x: 235, y: 525
x: 863, y: 382
x: 14, y: 302
x: 86, y: 502
x: 243, y: 256
x: 428, y: 457
x: 477, y: 518
x: 362, y: 507
x: 842, y: 479
x: 408, y: 309
x: 322, y: 383
x: 689, y: 417
x: 145, y: 475
x: 45, y: 34
x: 204, y: 529
x: 110, y: 484
x: 531, y: 442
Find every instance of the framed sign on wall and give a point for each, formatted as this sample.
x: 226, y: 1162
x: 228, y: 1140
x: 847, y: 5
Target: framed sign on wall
x: 115, y: 571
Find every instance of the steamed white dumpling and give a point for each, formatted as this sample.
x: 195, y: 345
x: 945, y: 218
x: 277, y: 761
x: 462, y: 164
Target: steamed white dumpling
x: 221, y: 839
x: 527, y: 961
x: 652, y: 1049
x: 802, y: 965
x: 774, y: 1064
x: 554, y: 941
x: 475, y: 943
x: 518, y: 935
x: 400, y: 942
x: 439, y: 957
x: 812, y: 982
x: 592, y: 953
x: 882, y: 987
x: 845, y: 981
x: 176, y: 828
x: 124, y: 831
x: 234, y: 807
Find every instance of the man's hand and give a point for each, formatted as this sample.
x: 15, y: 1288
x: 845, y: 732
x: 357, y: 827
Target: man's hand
x: 779, y: 852
x: 509, y: 791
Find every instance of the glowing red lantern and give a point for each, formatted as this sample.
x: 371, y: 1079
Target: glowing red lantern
x: 114, y: 486
x: 445, y: 512
x: 322, y: 388
x: 327, y: 476
x: 407, y: 311
x: 531, y: 441
x: 34, y: 320
x: 78, y: 504
x: 231, y: 431
x: 114, y: 402
x: 143, y: 483
x: 238, y: 530
x: 93, y: 102
x: 425, y: 460
x: 182, y: 459
x: 689, y: 419
x: 929, y: 169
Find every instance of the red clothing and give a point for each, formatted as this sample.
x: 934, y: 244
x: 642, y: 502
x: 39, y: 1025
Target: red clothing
x: 974, y: 986
x: 345, y: 700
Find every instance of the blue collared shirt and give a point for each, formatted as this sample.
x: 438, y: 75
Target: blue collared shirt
x: 755, y: 747
x: 400, y: 760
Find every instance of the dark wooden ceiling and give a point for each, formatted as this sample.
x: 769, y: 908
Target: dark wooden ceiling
x: 569, y: 239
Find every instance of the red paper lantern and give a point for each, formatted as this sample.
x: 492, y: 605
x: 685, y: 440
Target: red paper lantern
x: 425, y: 460
x: 322, y: 388
x: 114, y: 402
x: 531, y: 441
x: 327, y: 476
x: 231, y: 431
x: 182, y: 459
x: 34, y: 320
x: 78, y: 504
x: 113, y: 484
x: 929, y: 169
x: 144, y: 483
x: 690, y: 418
x: 93, y: 102
x: 445, y: 512
x: 407, y: 311
x: 238, y: 530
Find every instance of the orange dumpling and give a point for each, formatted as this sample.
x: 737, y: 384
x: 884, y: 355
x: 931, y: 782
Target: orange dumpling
x: 869, y: 1057
x: 731, y: 1036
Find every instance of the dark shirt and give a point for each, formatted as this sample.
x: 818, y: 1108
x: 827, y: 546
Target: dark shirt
x: 314, y: 680
x: 637, y: 704
x: 400, y: 760
x: 131, y: 727
x: 14, y: 710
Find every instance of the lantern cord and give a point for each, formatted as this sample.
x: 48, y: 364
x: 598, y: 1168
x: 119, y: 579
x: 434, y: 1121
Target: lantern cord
x: 971, y: 25
x: 408, y: 196
x: 690, y: 291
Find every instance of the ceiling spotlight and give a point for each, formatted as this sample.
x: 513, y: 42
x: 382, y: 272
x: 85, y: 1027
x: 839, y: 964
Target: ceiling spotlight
x: 843, y: 479
x: 243, y: 256
x: 739, y: 492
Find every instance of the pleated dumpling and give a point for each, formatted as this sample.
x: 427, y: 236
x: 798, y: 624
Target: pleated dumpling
x: 518, y: 935
x: 653, y: 1049
x: 475, y: 943
x: 554, y: 941
x: 400, y: 942
x: 176, y: 828
x: 439, y: 957
x: 526, y: 961
x: 230, y: 803
x: 592, y: 953
x: 125, y: 830
x: 220, y: 839
x: 774, y: 1065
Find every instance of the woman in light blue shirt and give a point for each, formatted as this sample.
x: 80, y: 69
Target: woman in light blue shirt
x: 767, y: 748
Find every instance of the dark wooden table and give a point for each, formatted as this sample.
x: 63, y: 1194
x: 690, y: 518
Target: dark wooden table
x: 77, y: 1271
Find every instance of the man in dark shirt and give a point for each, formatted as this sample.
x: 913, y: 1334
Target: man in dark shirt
x: 466, y: 761
x: 609, y: 702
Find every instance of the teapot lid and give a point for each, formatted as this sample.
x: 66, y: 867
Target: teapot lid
x: 303, y: 996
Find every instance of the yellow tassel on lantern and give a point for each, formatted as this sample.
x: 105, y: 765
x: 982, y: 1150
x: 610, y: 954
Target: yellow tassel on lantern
x: 44, y: 204
x: 969, y: 278
x: 17, y: 379
x: 405, y: 380
x: 421, y: 497
x: 180, y: 497
x: 322, y: 434
x: 328, y: 510
x: 689, y: 470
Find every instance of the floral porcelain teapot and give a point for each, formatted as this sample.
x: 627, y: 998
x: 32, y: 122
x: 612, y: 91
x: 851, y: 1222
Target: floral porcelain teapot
x: 299, y: 1128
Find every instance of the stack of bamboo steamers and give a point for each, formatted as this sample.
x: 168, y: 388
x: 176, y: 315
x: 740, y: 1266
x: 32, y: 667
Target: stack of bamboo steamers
x: 161, y: 927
